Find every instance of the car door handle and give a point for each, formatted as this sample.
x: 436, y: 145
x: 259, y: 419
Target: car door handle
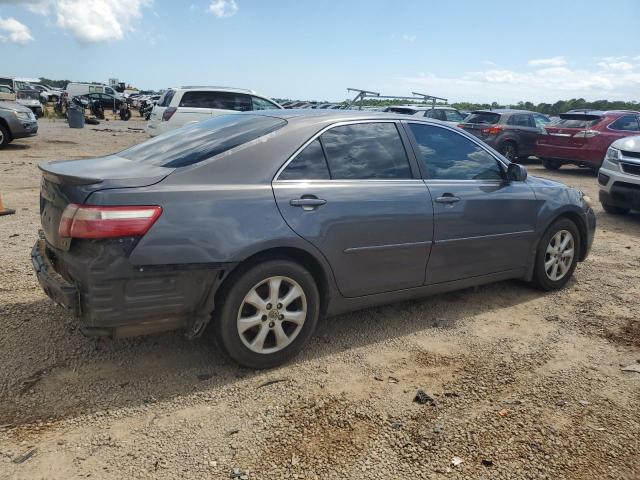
x: 448, y: 198
x: 307, y: 203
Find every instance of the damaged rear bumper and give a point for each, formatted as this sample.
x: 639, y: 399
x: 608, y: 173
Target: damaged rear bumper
x: 112, y: 298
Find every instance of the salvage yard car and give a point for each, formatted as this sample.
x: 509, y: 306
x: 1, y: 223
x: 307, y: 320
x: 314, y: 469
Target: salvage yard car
x: 582, y: 137
x: 16, y: 121
x: 260, y: 223
x: 512, y: 132
x: 619, y: 177
x: 185, y: 105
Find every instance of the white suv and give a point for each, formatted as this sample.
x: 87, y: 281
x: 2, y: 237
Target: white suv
x: 619, y: 176
x: 180, y: 106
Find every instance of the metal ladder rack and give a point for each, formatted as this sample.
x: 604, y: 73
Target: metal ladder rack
x: 364, y: 94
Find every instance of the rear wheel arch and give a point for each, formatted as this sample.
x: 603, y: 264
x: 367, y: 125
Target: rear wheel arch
x: 298, y: 255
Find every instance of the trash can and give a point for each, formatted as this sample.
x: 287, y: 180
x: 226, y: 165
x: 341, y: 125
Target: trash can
x: 75, y: 116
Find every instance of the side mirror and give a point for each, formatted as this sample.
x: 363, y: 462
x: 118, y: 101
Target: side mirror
x: 516, y: 173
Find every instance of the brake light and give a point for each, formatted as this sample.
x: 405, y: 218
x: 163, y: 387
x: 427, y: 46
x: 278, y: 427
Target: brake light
x: 586, y: 134
x: 461, y: 125
x: 92, y: 221
x: 491, y: 130
x: 168, y: 113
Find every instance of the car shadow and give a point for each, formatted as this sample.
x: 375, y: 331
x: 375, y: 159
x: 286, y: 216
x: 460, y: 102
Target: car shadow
x: 51, y: 371
x: 13, y: 146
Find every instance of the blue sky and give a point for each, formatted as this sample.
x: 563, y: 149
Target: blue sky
x: 462, y: 50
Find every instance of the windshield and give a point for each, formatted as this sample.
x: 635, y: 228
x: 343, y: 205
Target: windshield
x: 200, y: 141
x: 577, y: 120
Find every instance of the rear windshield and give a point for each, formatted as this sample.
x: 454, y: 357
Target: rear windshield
x: 577, y: 120
x: 199, y: 141
x: 165, y: 99
x: 483, y: 117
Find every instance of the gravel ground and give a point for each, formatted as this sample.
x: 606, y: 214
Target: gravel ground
x: 523, y: 384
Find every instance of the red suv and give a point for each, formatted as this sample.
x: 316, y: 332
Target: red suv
x: 581, y: 137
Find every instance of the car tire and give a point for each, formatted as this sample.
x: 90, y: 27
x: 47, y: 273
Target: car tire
x: 551, y: 164
x: 550, y: 263
x: 615, y: 210
x: 5, y: 136
x: 253, y: 348
x: 509, y: 150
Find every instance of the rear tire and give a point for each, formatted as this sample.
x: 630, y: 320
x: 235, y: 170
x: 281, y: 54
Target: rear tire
x: 551, y: 164
x: 553, y: 267
x: 509, y: 150
x: 5, y: 137
x: 240, y: 325
x: 615, y: 210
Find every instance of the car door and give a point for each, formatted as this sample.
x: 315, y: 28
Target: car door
x: 527, y: 132
x: 6, y: 93
x: 483, y: 223
x: 355, y: 193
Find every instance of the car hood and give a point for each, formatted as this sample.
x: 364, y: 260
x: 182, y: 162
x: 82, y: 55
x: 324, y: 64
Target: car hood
x: 534, y: 181
x: 629, y: 144
x: 13, y: 106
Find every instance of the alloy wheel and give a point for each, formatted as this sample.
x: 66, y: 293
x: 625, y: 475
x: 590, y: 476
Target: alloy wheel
x: 272, y: 314
x: 509, y: 151
x: 559, y: 255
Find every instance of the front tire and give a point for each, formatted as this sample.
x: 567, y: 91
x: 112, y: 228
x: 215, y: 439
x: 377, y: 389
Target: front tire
x: 557, y: 255
x: 5, y: 137
x: 551, y: 164
x: 615, y: 210
x: 268, y: 313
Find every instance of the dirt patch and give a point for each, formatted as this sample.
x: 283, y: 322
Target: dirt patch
x: 628, y: 334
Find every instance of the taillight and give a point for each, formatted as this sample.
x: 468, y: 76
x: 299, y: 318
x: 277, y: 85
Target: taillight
x: 586, y: 134
x: 461, y: 125
x: 491, y: 130
x: 168, y: 113
x: 92, y: 221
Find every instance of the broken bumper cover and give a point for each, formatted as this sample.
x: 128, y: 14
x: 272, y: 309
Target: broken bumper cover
x: 112, y: 298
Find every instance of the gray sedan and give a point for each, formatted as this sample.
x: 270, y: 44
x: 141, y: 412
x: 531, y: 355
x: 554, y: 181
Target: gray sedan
x: 16, y: 121
x: 259, y: 224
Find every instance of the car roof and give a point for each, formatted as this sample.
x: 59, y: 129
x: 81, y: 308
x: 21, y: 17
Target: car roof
x: 503, y: 110
x: 215, y: 89
x: 424, y: 107
x: 328, y: 115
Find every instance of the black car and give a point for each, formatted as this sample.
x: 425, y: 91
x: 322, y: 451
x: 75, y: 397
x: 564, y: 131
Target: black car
x: 108, y: 102
x: 513, y: 133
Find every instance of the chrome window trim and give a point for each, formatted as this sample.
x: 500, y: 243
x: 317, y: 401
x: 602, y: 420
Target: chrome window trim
x: 340, y: 124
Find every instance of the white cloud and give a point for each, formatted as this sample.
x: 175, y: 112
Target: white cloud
x: 409, y: 38
x: 223, y: 8
x: 13, y: 31
x: 98, y: 20
x: 550, y: 62
x: 546, y: 84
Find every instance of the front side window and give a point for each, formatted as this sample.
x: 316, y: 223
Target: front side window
x: 366, y: 151
x: 447, y: 155
x: 541, y: 120
x: 626, y: 123
x: 453, y: 116
x: 309, y: 164
x: 262, y: 104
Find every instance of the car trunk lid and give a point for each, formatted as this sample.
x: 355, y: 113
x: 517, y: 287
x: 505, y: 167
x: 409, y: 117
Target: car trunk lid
x: 72, y: 181
x: 563, y: 133
x: 480, y: 123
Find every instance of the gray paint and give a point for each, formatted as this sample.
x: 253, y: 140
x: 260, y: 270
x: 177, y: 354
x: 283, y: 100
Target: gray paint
x: 375, y: 240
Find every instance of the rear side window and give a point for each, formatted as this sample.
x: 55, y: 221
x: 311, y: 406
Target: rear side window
x: 262, y: 104
x: 216, y: 100
x: 365, y: 151
x: 448, y: 155
x: 577, y: 120
x: 626, y: 123
x: 200, y: 141
x: 519, y: 120
x: 484, y: 118
x: 310, y: 164
x: 165, y: 99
